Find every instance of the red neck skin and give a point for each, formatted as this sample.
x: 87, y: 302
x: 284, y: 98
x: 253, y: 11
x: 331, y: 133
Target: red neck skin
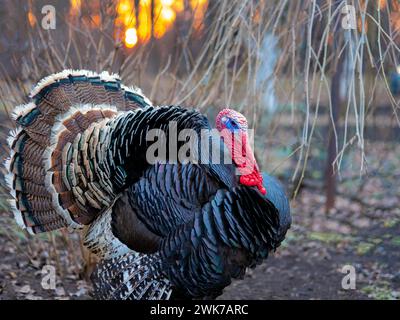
x: 243, y: 158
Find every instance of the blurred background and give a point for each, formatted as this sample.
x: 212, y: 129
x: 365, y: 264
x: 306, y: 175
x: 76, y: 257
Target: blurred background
x: 318, y: 80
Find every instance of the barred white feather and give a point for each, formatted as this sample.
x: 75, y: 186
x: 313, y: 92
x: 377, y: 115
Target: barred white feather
x: 12, y: 134
x: 101, y: 241
x: 22, y: 110
x: 137, y: 91
x: 69, y: 72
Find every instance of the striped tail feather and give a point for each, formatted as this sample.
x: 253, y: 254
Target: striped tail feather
x: 132, y: 276
x: 62, y: 107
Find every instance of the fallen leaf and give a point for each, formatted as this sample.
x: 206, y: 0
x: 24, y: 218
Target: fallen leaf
x: 33, y: 297
x: 25, y: 289
x: 60, y: 291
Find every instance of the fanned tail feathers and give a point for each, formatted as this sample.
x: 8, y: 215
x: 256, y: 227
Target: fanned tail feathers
x: 67, y: 109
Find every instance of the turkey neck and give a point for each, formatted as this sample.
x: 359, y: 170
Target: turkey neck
x: 128, y: 144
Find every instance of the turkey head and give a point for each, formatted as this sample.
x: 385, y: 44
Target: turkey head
x: 233, y: 129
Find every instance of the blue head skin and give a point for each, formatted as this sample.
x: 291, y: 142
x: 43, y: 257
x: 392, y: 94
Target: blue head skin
x: 232, y: 124
x: 276, y: 194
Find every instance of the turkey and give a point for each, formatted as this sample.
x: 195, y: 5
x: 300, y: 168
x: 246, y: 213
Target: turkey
x: 162, y: 230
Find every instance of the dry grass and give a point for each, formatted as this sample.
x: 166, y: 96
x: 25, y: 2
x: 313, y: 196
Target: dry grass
x: 221, y: 66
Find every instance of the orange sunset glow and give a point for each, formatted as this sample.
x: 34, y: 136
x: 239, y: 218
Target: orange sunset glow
x: 134, y: 25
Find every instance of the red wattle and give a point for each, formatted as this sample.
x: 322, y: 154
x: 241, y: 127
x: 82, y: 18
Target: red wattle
x: 253, y: 180
x: 262, y: 190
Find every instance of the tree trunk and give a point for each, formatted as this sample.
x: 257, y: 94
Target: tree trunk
x: 330, y: 176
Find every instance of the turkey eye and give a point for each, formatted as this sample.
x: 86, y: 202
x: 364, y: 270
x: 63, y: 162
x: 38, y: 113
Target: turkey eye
x: 232, y: 124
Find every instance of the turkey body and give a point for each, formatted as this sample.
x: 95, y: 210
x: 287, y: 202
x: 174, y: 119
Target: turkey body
x: 203, y: 229
x: 198, y: 225
x: 162, y: 230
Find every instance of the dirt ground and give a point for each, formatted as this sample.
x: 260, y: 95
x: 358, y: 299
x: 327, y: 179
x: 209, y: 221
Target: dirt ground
x: 310, y: 267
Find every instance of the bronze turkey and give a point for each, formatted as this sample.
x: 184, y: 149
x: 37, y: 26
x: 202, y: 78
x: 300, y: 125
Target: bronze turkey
x: 169, y: 229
